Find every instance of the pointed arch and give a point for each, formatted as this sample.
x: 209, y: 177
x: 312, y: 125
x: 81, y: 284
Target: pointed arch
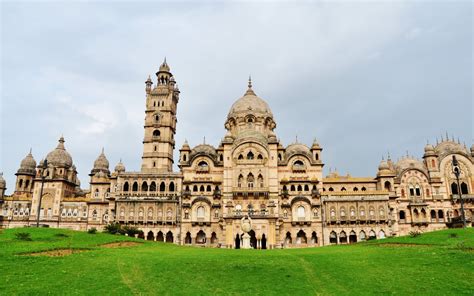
x: 162, y: 186
x: 153, y: 186
x: 171, y: 187
x: 126, y: 187
x: 135, y: 186
x: 144, y: 186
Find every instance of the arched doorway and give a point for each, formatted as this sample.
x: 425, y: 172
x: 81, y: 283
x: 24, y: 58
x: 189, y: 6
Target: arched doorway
x: 141, y: 235
x: 333, y: 238
x: 288, y: 240
x: 150, y: 236
x: 237, y: 241
x: 187, y: 239
x: 253, y: 239
x: 264, y: 241
x: 352, y: 237
x: 214, y: 238
x: 343, y: 237
x: 301, y: 238
x: 314, y: 238
x: 201, y: 237
x: 159, y: 237
x: 169, y: 237
x: 372, y: 235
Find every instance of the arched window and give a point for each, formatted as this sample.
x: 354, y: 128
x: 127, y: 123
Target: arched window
x: 135, y: 186
x: 241, y: 157
x: 440, y: 214
x: 27, y: 184
x: 355, y: 189
x: 433, y: 163
x: 388, y: 186
x: 126, y: 186
x: 221, y: 157
x: 464, y: 189
x: 156, y: 133
x: 433, y: 214
x: 403, y: 192
x: 200, y: 212
x: 250, y: 155
x: 306, y: 187
x: 279, y: 156
x: 362, y: 235
x: 20, y: 184
x: 162, y: 187
x: 292, y: 188
x: 157, y: 117
x: 250, y: 180
x: 184, y: 159
x: 411, y: 190
x: 343, y: 189
x: 417, y: 190
x: 260, y: 181
x: 331, y: 189
x: 454, y: 188
x: 316, y: 156
x: 301, y: 212
x: 144, y: 186
x: 240, y: 180
x: 381, y: 234
x: 171, y: 186
x: 195, y: 188
x: 201, y: 188
x: 363, y: 189
x: 300, y: 188
x: 427, y: 192
x: 333, y: 238
x: 153, y: 186
x: 208, y: 188
x: 260, y: 157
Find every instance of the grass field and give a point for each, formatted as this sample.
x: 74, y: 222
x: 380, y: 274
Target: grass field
x: 437, y: 263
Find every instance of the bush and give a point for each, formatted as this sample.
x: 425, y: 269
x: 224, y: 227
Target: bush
x: 453, y: 235
x: 113, y: 228
x: 24, y: 236
x: 61, y: 235
x: 93, y: 230
x: 414, y: 233
x: 131, y: 231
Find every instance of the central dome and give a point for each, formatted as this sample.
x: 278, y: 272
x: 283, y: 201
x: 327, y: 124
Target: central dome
x: 250, y: 103
x: 59, y: 157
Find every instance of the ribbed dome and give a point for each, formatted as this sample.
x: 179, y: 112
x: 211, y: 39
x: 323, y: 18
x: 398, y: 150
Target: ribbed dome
x: 120, y: 167
x: 59, y: 157
x: 383, y: 165
x: 27, y: 165
x: 3, y: 183
x: 250, y: 103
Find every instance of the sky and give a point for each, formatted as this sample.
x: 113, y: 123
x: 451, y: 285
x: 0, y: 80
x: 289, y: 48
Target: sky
x: 363, y: 78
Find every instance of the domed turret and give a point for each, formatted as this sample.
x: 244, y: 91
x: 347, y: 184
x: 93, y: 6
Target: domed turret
x: 101, y: 164
x: 164, y: 67
x: 185, y: 146
x: 59, y: 157
x: 27, y: 165
x: 383, y: 165
x: 120, y: 167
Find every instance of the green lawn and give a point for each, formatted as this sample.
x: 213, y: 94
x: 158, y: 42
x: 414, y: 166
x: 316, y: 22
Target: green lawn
x: 438, y: 263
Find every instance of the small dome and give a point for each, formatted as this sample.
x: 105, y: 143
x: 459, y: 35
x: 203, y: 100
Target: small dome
x: 383, y: 165
x: 204, y: 149
x: 59, y: 157
x: 120, y: 168
x: 429, y: 148
x: 185, y: 145
x: 164, y: 67
x: 315, y: 144
x: 101, y: 163
x: 27, y: 165
x: 3, y: 183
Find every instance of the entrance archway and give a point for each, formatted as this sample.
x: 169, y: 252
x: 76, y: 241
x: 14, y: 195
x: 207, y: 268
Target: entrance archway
x: 288, y: 240
x: 187, y: 239
x: 169, y: 237
x: 213, y: 238
x: 150, y: 236
x: 314, y: 238
x: 301, y: 238
x: 201, y: 237
x: 264, y: 241
x: 159, y: 237
x: 237, y: 241
x: 253, y: 239
x: 141, y: 235
x: 352, y: 237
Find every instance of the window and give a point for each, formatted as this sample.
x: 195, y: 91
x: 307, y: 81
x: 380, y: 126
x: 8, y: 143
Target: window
x: 171, y: 187
x: 162, y: 187
x: 157, y: 117
x: 464, y: 189
x: 388, y: 186
x: 343, y: 189
x: 454, y: 188
x: 200, y: 212
x: 250, y: 180
x: 156, y: 133
x: 331, y: 189
x: 300, y: 188
x: 135, y: 186
x: 292, y: 187
x: 285, y: 214
x: 306, y: 187
x: 411, y: 190
x: 238, y: 209
x: 355, y: 189
x: 96, y: 193
x: 417, y: 190
x: 250, y: 155
x: 153, y: 186
x: 201, y: 189
x: 363, y: 189
x: 260, y: 181
x: 144, y: 186
x: 240, y: 181
x: 260, y: 157
x: 186, y: 214
x: 27, y: 184
x: 241, y: 157
x: 208, y: 188
x: 301, y: 212
x: 315, y: 213
x: 402, y: 215
x: 195, y: 188
x: 216, y: 214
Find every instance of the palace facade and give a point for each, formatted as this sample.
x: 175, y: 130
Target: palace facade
x: 249, y: 174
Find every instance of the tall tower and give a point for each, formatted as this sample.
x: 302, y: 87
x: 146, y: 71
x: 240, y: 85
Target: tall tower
x: 160, y: 122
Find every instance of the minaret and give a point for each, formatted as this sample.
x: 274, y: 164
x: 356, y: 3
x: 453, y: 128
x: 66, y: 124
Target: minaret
x: 160, y: 122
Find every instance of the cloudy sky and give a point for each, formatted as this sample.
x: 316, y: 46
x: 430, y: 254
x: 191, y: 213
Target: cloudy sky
x: 364, y: 78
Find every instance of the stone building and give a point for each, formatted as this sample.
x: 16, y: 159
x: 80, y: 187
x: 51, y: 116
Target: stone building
x: 249, y: 174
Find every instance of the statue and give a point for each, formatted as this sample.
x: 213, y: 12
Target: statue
x: 246, y: 224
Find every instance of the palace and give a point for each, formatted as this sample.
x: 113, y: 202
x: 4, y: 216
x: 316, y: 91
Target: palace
x: 250, y: 174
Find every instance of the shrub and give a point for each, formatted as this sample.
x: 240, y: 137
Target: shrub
x: 93, y: 230
x: 61, y: 235
x: 414, y: 233
x: 24, y: 236
x: 453, y: 235
x: 131, y: 231
x: 113, y: 228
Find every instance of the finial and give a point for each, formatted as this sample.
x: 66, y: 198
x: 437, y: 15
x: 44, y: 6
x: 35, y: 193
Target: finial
x: 407, y: 153
x: 250, y: 81
x: 296, y: 138
x: 164, y: 62
x: 447, y: 136
x: 102, y: 150
x: 204, y: 139
x: 30, y: 150
x: 459, y: 142
x: 388, y: 155
x: 382, y: 158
